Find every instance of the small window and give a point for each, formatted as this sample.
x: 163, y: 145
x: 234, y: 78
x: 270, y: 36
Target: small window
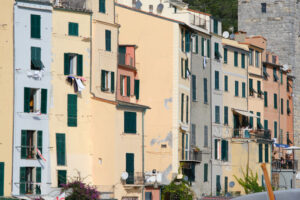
x: 216, y: 80
x: 29, y: 141
x: 205, y: 136
x: 61, y: 178
x: 73, y: 64
x: 102, y: 6
x: 216, y: 23
x: 35, y: 100
x: 250, y: 56
x: 36, y: 63
x: 107, y: 81
x: 107, y: 40
x: 274, y: 59
x: 30, y: 180
x: 125, y: 83
x: 236, y: 60
x: 35, y: 24
x: 217, y: 114
x: 225, y: 55
x: 205, y: 90
x: 194, y: 88
x: 236, y: 84
x: 129, y: 122
x: 257, y: 58
x: 263, y: 7
x: 73, y: 29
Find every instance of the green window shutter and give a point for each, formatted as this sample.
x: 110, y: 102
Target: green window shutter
x: 182, y: 106
x: 223, y: 150
x: 281, y: 77
x: 216, y: 26
x: 182, y: 145
x: 107, y: 40
x: 216, y: 80
x: 35, y: 26
x: 226, y: 115
x: 38, y: 179
x: 187, y: 41
x: 288, y: 110
x: 148, y: 195
x: 197, y: 45
x: 194, y: 89
x: 44, y: 98
x: 187, y: 109
x: 26, y: 100
x: 112, y: 80
x: 260, y: 152
x: 130, y: 122
x: 266, y: 99
x: 275, y: 129
x: 275, y: 101
x: 103, y: 86
x: 258, y: 86
x: 40, y: 142
x: 208, y: 48
x: 216, y: 149
x: 36, y: 63
x: 236, y: 58
x: 61, y: 177
x: 236, y: 86
x: 102, y: 7
x: 22, y: 180
x: 217, y: 114
x: 182, y: 40
x: 218, y: 185
x: 182, y: 68
x: 258, y: 124
x: 186, y: 68
x: 205, y: 90
x: 216, y: 50
x: 251, y: 120
x: 281, y: 106
x: 72, y: 110
x: 61, y: 148
x: 227, y: 150
x: 23, y: 144
x: 1, y: 179
x: 202, y: 46
x: 226, y: 184
x: 128, y: 86
x: 73, y: 29
x: 79, y: 65
x: 205, y: 172
x: 243, y: 61
x: 250, y: 83
x: 130, y: 168
x: 266, y: 124
x: 66, y: 64
x: 244, y: 90
x: 225, y: 55
x: 266, y: 153
x: 137, y: 88
x: 226, y: 83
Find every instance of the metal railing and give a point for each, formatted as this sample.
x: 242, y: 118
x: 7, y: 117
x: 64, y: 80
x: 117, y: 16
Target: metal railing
x: 125, y: 59
x: 198, y: 21
x: 244, y: 133
x: 193, y: 156
x: 30, y: 187
x: 135, y: 178
x: 278, y: 164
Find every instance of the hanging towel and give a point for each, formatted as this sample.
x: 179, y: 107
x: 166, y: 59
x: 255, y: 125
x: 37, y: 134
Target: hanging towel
x: 204, y: 62
x: 82, y: 79
x: 75, y: 87
x: 79, y: 84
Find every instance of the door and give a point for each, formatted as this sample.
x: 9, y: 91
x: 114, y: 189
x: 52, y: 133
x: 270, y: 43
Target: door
x: 130, y: 168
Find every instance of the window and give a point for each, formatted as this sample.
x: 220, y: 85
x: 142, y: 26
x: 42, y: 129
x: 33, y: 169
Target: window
x: 195, y: 44
x: 224, y: 150
x: 216, y: 26
x: 187, y: 41
x: 263, y: 7
x: 275, y: 129
x: 251, y: 90
x: 217, y: 114
x: 208, y: 48
x: 107, y: 40
x: 202, y: 46
x: 1, y: 178
x: 151, y: 8
x: 225, y: 55
x: 244, y: 90
x: 73, y: 29
x: 226, y: 83
x: 73, y: 64
x: 281, y: 77
x: 226, y: 184
x: 182, y: 68
x: 225, y: 115
x: 193, y: 135
x: 217, y: 53
x: 216, y: 80
x: 259, y: 92
x: 275, y: 101
x: 267, y: 57
x: 205, y: 179
x: 205, y: 90
x: 182, y: 40
x: 218, y: 185
x: 148, y: 195
x: 260, y: 153
x: 35, y: 24
x: 236, y: 86
x: 205, y: 136
x: 35, y: 100
x: 275, y: 77
x: 30, y: 180
x: 274, y: 59
x: 266, y: 125
x: 129, y: 122
x: 182, y: 106
x: 288, y: 110
x: 137, y: 88
x: 256, y: 58
x: 29, y: 141
x: 130, y: 168
x: 187, y: 109
x: 186, y: 70
x: 217, y: 149
x: 108, y: 81
x: 236, y: 58
x: 102, y: 7
x: 288, y: 141
x: 194, y: 91
x: 251, y: 121
x: 36, y: 63
x: 281, y: 106
x: 266, y: 99
x: 243, y: 60
x: 182, y: 145
x: 61, y: 177
x: 288, y: 85
x: 250, y: 56
x: 265, y: 73
x: 72, y: 110
x: 125, y: 87
x: 61, y: 149
x: 258, y: 123
x: 266, y: 153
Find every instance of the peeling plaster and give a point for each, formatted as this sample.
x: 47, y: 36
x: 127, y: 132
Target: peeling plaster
x: 165, y: 174
x: 169, y: 100
x: 168, y: 139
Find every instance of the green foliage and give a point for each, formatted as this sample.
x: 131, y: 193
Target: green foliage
x: 177, y: 190
x: 249, y: 182
x: 223, y: 10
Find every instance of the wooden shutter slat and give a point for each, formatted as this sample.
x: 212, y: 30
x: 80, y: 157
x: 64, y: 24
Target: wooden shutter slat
x: 66, y: 64
x: 112, y: 81
x: 26, y: 100
x: 22, y: 180
x: 137, y: 88
x: 1, y: 178
x: 128, y: 86
x: 40, y: 141
x: 44, y: 97
x: 130, y: 167
x: 79, y: 65
x: 23, y: 144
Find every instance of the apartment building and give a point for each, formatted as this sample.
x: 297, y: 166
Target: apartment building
x: 32, y: 86
x: 6, y: 82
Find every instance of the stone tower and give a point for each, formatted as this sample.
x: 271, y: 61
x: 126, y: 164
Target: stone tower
x: 277, y: 21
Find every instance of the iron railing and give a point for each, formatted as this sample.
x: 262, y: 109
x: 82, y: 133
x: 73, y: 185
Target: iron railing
x: 198, y: 21
x: 135, y: 178
x: 125, y: 59
x: 258, y: 134
x: 278, y: 164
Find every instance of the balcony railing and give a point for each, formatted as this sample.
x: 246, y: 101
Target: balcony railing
x: 278, y: 164
x: 135, y: 178
x: 193, y: 156
x: 30, y: 188
x: 125, y: 59
x: 244, y: 133
x: 198, y: 21
x: 28, y: 152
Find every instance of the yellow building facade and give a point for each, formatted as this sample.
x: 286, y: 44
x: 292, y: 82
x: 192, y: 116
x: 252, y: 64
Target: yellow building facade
x: 6, y: 99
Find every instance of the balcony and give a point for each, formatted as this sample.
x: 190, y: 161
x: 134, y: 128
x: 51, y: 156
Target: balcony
x: 30, y: 188
x: 193, y: 157
x: 125, y: 59
x: 134, y: 179
x: 253, y: 134
x: 284, y: 164
x: 201, y: 22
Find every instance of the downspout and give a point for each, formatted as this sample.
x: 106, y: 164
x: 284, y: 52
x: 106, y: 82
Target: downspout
x: 279, y: 111
x: 14, y: 81
x: 91, y: 53
x: 143, y: 154
x: 211, y: 121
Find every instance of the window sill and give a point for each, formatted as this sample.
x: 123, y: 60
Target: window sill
x: 124, y: 133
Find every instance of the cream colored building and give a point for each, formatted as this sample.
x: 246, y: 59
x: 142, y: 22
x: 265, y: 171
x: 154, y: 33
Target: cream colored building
x: 6, y: 99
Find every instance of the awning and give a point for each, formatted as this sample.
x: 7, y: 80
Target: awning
x: 281, y: 145
x: 293, y: 148
x: 244, y: 112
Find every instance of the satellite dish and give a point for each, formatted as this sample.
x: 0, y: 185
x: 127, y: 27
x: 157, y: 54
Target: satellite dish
x: 124, y: 176
x: 232, y: 36
x: 138, y: 5
x: 231, y: 184
x: 285, y: 67
x: 160, y: 7
x: 226, y: 34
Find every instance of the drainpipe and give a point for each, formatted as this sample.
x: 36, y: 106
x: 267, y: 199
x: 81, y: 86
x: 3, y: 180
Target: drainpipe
x: 143, y: 154
x: 91, y: 52
x: 14, y: 81
x: 211, y: 122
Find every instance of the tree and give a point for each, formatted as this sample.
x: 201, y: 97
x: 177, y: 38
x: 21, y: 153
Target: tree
x: 177, y: 190
x: 249, y: 181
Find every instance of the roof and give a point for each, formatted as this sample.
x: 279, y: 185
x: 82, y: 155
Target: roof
x: 272, y: 64
x: 81, y: 10
x: 235, y: 44
x: 122, y: 104
x: 42, y: 2
x: 250, y: 44
x: 199, y: 12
